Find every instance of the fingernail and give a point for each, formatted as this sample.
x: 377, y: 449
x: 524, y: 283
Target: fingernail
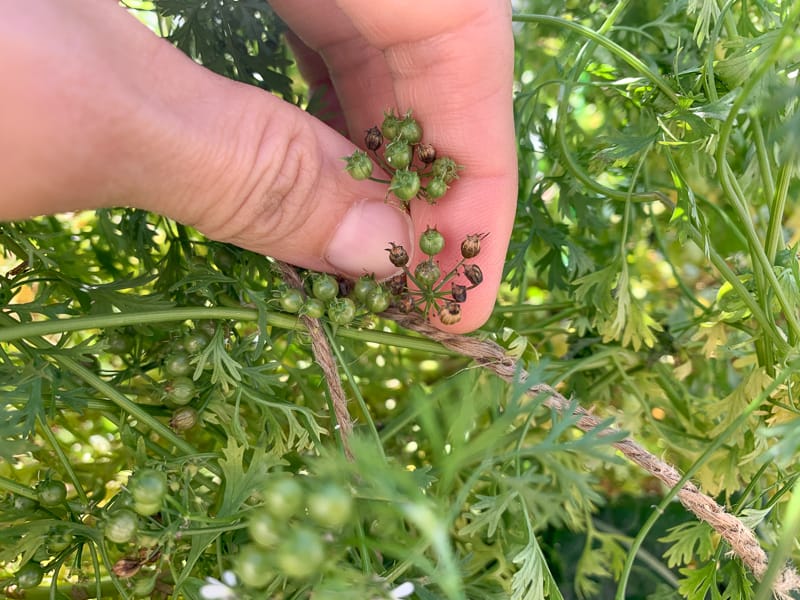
x: 359, y: 244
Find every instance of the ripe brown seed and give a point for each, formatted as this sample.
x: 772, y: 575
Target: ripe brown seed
x: 374, y: 138
x: 398, y: 284
x: 459, y: 292
x: 184, y: 417
x: 450, y: 313
x: 474, y: 274
x: 471, y: 246
x: 397, y: 255
x: 426, y: 153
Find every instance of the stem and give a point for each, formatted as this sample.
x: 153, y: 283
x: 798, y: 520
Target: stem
x: 776, y: 212
x: 65, y: 463
x: 125, y: 404
x: 356, y: 391
x: 54, y: 326
x: 754, y: 405
x: 614, y: 48
x: 789, y: 527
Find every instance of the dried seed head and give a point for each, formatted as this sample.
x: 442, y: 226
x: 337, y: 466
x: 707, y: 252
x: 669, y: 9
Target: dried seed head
x: 426, y: 153
x: 398, y: 284
x: 450, y: 313
x: 459, y: 292
x: 184, y: 417
x: 125, y: 568
x: 471, y: 246
x: 345, y: 286
x: 374, y: 138
x: 405, y: 303
x: 474, y: 274
x: 397, y: 255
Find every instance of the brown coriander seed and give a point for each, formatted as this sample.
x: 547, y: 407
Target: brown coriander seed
x: 397, y: 255
x: 426, y: 153
x: 459, y: 292
x: 398, y: 284
x: 450, y: 313
x: 471, y: 246
x: 373, y: 139
x: 474, y: 274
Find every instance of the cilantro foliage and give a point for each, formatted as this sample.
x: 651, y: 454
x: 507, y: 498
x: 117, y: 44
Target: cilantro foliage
x: 652, y: 277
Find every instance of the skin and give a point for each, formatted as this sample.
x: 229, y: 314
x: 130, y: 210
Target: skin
x: 97, y: 111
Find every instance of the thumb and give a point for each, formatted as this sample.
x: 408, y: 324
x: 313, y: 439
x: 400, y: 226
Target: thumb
x: 285, y: 193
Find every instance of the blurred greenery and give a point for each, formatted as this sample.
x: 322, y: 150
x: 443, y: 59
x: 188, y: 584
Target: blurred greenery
x: 653, y: 277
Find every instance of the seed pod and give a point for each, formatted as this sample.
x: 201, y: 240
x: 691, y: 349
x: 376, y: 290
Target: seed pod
x: 390, y: 128
x: 405, y: 184
x: 410, y: 130
x: 405, y: 303
x: 359, y: 165
x: 445, y: 168
x: 126, y: 568
x: 459, y: 292
x: 397, y: 255
x: 471, y: 246
x: 345, y: 286
x: 435, y: 189
x: 374, y: 138
x: 474, y: 274
x: 398, y: 154
x: 183, y: 418
x: 450, y: 313
x: 398, y: 284
x: 431, y: 241
x: 426, y: 153
x: 427, y: 273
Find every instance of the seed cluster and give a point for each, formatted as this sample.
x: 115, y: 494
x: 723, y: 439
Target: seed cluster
x: 415, y: 168
x: 340, y: 300
x: 417, y: 172
x: 429, y: 293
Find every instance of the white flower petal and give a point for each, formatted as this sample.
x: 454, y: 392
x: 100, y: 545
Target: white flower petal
x: 217, y: 591
x: 402, y: 591
x: 229, y: 577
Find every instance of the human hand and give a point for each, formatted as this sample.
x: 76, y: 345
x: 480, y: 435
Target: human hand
x: 122, y: 118
x: 451, y: 62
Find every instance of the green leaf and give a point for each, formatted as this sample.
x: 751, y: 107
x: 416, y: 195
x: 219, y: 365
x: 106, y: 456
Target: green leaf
x: 689, y: 541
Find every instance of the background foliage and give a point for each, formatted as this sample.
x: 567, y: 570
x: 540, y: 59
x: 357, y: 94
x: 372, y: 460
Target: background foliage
x: 653, y: 276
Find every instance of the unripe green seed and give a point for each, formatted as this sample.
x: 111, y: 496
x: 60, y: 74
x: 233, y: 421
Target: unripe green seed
x: 405, y: 184
x: 398, y: 154
x: 427, y: 273
x: 431, y: 241
x: 359, y: 165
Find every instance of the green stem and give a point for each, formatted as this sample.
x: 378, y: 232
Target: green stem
x: 776, y: 212
x: 125, y: 404
x: 790, y: 525
x: 65, y: 463
x: 19, y: 330
x: 715, y: 444
x: 635, y: 63
x: 755, y: 308
x: 731, y: 186
x: 356, y: 391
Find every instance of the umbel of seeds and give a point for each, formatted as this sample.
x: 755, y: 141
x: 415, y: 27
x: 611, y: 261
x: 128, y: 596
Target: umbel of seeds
x: 434, y: 292
x: 415, y: 168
